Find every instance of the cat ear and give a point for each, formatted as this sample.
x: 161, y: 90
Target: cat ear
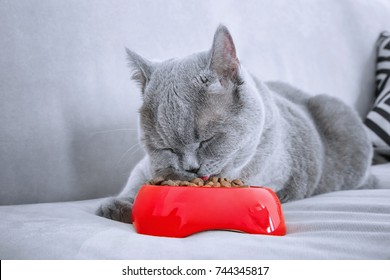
x: 142, y: 68
x: 224, y: 61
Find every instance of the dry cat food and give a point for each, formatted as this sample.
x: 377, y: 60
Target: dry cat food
x: 215, y: 182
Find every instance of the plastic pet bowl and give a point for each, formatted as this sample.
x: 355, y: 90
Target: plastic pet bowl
x: 175, y: 211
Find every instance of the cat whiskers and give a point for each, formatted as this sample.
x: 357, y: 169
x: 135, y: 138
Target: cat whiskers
x: 137, y: 147
x: 181, y: 141
x: 153, y: 152
x: 210, y: 151
x: 113, y: 130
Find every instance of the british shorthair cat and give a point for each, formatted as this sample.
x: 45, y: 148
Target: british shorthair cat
x: 205, y: 115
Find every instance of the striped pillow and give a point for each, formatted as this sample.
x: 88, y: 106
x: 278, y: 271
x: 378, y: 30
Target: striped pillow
x: 378, y: 119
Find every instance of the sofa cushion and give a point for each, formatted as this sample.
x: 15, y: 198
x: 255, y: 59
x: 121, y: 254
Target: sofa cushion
x: 378, y: 119
x: 340, y: 225
x: 352, y: 224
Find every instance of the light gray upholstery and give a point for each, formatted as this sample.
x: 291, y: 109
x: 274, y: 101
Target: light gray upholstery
x: 68, y: 114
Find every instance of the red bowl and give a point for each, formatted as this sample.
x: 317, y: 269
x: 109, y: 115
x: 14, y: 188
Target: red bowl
x: 174, y: 211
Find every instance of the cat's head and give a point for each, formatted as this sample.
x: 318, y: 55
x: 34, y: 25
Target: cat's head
x: 199, y: 117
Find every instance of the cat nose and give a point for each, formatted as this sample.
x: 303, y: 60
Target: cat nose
x: 191, y: 166
x: 190, y: 162
x: 193, y: 170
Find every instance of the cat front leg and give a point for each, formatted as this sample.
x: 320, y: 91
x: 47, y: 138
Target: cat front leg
x: 119, y: 208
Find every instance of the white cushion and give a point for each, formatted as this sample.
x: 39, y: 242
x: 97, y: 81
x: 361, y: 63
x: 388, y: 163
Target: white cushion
x: 340, y: 225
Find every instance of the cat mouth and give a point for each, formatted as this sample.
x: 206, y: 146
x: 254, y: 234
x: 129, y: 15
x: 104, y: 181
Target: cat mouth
x: 206, y: 177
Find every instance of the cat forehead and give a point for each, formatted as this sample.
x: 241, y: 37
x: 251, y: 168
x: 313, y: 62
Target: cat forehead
x: 192, y: 111
x: 182, y: 68
x: 176, y: 83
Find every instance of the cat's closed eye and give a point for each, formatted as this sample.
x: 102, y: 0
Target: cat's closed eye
x: 206, y: 142
x: 203, y: 79
x: 168, y: 150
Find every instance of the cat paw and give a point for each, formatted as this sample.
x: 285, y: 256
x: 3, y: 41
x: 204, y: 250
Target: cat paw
x: 117, y: 209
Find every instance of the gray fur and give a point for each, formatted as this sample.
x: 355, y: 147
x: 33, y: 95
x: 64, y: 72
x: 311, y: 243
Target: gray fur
x: 205, y: 115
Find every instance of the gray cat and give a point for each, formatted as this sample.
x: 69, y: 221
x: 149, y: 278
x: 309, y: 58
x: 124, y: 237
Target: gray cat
x: 206, y: 115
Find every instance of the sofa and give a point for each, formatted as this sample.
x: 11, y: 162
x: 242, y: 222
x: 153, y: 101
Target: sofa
x: 69, y: 120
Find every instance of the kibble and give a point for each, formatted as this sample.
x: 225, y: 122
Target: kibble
x: 237, y: 182
x: 213, y: 182
x: 157, y: 180
x: 168, y: 183
x: 198, y: 181
x: 225, y: 184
